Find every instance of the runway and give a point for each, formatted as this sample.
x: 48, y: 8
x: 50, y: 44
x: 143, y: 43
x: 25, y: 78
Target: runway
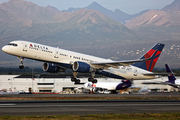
x: 83, y: 107
x: 177, y: 95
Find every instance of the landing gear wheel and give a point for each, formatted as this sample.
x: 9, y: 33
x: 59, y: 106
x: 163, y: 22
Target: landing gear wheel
x: 94, y: 81
x: 21, y: 66
x: 77, y: 81
x: 73, y: 79
x: 90, y: 79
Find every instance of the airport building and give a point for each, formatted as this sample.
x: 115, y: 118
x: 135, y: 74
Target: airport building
x: 62, y: 84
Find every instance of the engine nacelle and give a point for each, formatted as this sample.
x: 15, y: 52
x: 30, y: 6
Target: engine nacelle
x: 52, y: 68
x: 93, y: 90
x: 82, y: 67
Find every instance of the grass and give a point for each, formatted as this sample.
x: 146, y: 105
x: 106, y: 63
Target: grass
x: 134, y: 116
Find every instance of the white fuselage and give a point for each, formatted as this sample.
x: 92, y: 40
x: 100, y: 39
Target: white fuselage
x: 104, y: 85
x: 63, y: 57
x: 177, y: 81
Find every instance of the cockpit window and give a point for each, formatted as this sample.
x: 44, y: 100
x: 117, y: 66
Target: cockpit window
x: 12, y: 44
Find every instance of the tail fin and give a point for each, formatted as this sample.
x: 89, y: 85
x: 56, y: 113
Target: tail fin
x: 149, y: 64
x: 171, y: 76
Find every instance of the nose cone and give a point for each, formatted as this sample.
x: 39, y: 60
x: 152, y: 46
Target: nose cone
x: 5, y: 49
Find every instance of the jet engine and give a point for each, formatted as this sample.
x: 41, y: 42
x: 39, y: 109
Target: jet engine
x: 52, y: 68
x: 93, y: 90
x: 82, y: 67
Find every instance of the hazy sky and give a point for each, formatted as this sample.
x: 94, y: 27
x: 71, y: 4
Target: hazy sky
x: 127, y: 6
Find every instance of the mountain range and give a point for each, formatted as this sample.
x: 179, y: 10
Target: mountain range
x: 25, y: 19
x: 116, y: 14
x: 93, y: 29
x: 161, y: 24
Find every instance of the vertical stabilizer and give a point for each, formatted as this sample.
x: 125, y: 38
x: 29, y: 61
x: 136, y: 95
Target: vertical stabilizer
x: 149, y: 64
x: 171, y: 76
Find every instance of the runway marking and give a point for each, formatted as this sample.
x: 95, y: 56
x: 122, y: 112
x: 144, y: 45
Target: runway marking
x: 114, y: 105
x: 7, y: 104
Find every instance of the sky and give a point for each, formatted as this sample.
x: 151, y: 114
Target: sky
x: 127, y: 6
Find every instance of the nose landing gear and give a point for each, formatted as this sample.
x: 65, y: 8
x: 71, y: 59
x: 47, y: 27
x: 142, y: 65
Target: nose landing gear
x: 21, y: 66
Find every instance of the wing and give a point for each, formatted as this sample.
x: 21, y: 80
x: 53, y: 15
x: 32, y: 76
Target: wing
x: 115, y: 64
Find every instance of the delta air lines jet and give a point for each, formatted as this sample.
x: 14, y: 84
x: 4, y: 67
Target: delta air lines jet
x: 56, y: 59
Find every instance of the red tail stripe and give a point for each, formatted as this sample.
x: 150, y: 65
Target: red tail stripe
x: 153, y: 64
x: 147, y: 55
x: 148, y: 62
x: 158, y: 53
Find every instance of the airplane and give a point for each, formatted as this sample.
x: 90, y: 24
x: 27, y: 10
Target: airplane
x: 107, y: 86
x: 172, y: 81
x: 58, y: 60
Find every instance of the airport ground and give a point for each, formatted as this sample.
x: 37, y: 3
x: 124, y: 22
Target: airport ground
x: 85, y: 104
x: 55, y: 103
x: 156, y: 95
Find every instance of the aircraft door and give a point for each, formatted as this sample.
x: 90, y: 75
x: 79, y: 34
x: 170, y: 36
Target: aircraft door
x: 56, y: 55
x: 135, y: 72
x: 25, y: 47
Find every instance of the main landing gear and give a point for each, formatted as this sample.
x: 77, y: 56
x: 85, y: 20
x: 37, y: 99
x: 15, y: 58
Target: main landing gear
x: 74, y: 79
x: 21, y: 66
x: 77, y: 81
x: 92, y: 79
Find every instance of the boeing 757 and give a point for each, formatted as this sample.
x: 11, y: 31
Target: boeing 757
x: 56, y: 59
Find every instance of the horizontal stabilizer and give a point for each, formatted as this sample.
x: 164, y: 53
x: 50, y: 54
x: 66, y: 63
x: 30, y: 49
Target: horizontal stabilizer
x: 153, y: 74
x: 162, y: 83
x: 121, y: 63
